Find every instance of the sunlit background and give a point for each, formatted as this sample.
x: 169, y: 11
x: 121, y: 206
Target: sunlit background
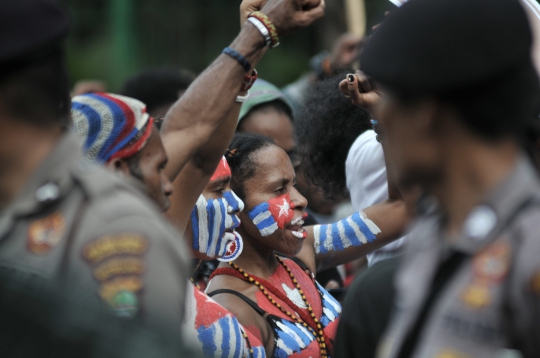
x: 113, y: 39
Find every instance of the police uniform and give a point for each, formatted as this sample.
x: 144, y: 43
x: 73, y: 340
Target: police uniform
x: 74, y: 223
x: 477, y: 295
x: 480, y: 296
x: 78, y: 223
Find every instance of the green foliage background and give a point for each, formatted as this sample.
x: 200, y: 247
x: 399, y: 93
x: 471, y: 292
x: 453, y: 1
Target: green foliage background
x: 113, y: 39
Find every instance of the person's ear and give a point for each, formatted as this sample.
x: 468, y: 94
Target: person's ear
x: 119, y: 165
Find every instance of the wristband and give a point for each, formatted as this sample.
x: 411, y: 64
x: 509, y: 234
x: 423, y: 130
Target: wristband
x: 269, y: 26
x: 262, y: 29
x: 242, y: 99
x: 249, y: 80
x: 241, y: 59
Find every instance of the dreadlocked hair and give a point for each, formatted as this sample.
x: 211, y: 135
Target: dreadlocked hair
x: 240, y: 158
x: 326, y: 128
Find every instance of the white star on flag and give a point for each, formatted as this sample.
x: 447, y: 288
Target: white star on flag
x: 284, y: 209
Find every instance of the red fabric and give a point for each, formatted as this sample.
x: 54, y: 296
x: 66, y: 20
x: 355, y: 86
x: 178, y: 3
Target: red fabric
x: 131, y: 150
x: 128, y: 114
x: 209, y: 311
x: 282, y: 276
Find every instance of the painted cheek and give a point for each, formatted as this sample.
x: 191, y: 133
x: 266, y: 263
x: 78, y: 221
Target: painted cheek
x: 273, y: 214
x: 208, y: 220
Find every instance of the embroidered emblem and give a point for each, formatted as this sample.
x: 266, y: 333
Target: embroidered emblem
x: 492, y: 263
x: 111, y: 245
x: 294, y: 296
x: 45, y: 233
x: 476, y: 295
x: 119, y: 266
x: 120, y: 294
x: 534, y: 283
x: 451, y: 353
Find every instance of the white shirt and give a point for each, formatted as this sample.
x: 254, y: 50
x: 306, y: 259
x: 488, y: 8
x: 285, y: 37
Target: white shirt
x: 366, y: 180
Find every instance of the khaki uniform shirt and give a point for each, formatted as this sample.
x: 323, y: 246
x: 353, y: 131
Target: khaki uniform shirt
x: 490, y: 304
x: 76, y: 223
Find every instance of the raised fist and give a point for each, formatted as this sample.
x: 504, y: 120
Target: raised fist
x: 291, y: 15
x: 362, y: 91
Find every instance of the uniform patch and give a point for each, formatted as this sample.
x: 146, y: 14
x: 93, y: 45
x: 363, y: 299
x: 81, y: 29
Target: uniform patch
x: 121, y: 294
x: 451, y: 353
x: 492, y: 264
x: 46, y: 233
x: 534, y: 283
x: 111, y: 245
x: 119, y: 266
x: 476, y: 295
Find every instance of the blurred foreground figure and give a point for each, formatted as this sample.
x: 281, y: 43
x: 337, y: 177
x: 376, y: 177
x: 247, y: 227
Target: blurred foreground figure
x: 459, y: 101
x: 62, y: 218
x: 52, y: 322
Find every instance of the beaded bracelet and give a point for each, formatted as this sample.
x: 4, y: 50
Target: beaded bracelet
x: 262, y: 29
x: 269, y: 26
x: 241, y: 59
x: 249, y: 80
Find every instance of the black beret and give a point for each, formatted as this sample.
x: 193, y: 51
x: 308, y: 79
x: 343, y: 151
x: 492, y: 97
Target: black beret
x: 29, y: 26
x: 429, y: 46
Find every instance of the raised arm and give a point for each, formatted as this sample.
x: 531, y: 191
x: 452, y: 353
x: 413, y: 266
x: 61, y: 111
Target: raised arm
x: 200, y: 125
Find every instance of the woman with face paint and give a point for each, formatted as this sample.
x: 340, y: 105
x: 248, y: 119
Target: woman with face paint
x: 211, y: 234
x: 277, y: 300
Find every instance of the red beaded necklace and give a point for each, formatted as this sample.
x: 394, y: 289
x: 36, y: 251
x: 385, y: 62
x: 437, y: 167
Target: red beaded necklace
x: 311, y: 322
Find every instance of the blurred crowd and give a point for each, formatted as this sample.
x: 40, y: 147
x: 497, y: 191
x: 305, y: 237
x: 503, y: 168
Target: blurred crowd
x: 385, y: 204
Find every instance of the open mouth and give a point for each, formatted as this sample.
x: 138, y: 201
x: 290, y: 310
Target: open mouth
x: 295, y: 227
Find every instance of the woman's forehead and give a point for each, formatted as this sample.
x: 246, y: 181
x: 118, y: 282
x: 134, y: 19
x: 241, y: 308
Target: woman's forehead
x: 272, y: 164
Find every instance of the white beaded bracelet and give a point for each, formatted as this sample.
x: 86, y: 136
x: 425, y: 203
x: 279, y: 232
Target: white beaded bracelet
x: 241, y: 99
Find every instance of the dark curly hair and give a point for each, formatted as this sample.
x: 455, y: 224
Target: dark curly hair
x: 326, y: 128
x: 240, y: 158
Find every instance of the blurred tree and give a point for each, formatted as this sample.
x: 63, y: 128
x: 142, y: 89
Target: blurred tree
x: 113, y: 39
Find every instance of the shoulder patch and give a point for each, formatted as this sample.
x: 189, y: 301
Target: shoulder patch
x: 115, y: 244
x: 534, y: 282
x: 46, y: 233
x: 119, y: 266
x: 121, y: 294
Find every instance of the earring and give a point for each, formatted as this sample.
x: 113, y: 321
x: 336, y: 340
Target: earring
x: 234, y: 249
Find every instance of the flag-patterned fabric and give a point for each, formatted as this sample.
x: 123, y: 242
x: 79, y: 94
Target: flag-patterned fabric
x: 110, y: 126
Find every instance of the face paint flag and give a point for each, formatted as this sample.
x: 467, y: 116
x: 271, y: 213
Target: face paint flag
x: 213, y: 223
x: 222, y: 171
x: 272, y: 214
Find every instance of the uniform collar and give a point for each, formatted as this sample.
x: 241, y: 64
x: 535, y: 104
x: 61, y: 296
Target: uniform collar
x: 52, y: 179
x: 487, y: 220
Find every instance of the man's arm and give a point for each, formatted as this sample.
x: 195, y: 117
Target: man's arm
x: 201, y: 123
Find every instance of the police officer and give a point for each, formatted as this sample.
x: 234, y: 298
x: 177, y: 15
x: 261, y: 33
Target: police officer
x: 61, y: 218
x: 459, y: 99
